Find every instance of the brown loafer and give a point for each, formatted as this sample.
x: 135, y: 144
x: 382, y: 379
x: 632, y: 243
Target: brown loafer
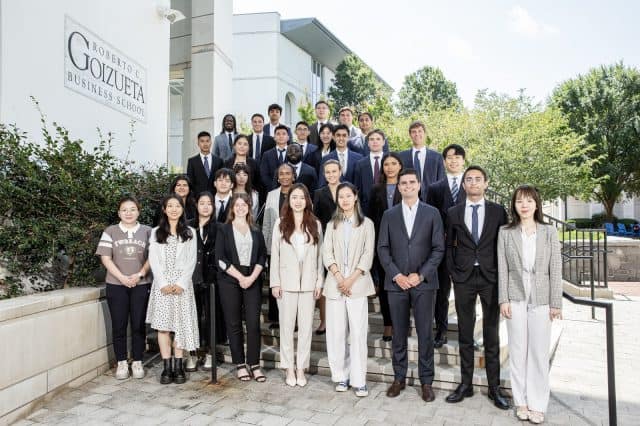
x: 427, y: 393
x: 395, y: 388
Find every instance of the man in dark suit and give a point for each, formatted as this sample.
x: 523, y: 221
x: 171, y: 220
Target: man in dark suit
x: 202, y: 167
x: 272, y: 158
x: 442, y: 195
x: 275, y: 112
x: 303, y: 173
x: 360, y: 143
x: 322, y: 110
x: 259, y: 142
x: 224, y: 182
x: 347, y: 158
x: 410, y: 248
x: 302, y: 138
x: 472, y: 235
x: 419, y: 157
x: 368, y: 169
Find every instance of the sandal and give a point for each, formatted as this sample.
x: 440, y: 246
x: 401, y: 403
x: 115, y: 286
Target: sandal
x: 243, y: 377
x: 258, y: 377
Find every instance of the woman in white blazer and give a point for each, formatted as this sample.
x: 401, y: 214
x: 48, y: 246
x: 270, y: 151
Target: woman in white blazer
x: 296, y: 276
x: 348, y: 252
x: 530, y: 297
x: 173, y: 252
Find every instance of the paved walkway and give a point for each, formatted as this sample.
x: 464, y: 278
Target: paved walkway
x: 578, y: 383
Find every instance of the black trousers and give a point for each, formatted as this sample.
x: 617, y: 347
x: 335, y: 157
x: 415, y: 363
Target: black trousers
x: 442, y: 299
x: 128, y: 304
x: 203, y: 307
x: 378, y: 276
x: 400, y: 304
x: 466, y: 294
x: 236, y: 300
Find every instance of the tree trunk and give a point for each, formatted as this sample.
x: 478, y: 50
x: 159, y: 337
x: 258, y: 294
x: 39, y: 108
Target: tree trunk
x: 609, y: 204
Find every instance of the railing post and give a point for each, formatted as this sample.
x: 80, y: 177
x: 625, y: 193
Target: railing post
x: 611, y: 372
x: 591, y: 271
x: 604, y: 261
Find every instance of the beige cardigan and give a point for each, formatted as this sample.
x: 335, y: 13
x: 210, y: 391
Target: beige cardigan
x: 361, y: 252
x: 284, y: 269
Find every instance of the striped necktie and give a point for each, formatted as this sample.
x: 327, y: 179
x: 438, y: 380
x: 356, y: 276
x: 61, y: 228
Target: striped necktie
x: 454, y: 190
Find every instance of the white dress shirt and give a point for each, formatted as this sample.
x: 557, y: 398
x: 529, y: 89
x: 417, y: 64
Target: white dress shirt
x: 458, y: 180
x: 255, y: 141
x: 528, y: 265
x: 372, y: 160
x: 209, y: 159
x: 303, y: 145
x: 467, y: 215
x: 272, y: 128
x: 346, y: 159
x: 224, y: 200
x: 409, y: 215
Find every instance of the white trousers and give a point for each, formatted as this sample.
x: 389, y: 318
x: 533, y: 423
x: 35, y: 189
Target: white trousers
x: 294, y: 304
x: 529, y: 337
x: 347, y: 323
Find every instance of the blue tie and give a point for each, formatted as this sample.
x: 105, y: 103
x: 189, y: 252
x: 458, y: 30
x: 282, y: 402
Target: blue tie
x: 416, y: 164
x: 454, y: 190
x: 281, y: 156
x: 474, y: 223
x: 207, y: 169
x: 258, y: 149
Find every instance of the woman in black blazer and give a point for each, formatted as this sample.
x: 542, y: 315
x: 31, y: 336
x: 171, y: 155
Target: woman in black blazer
x: 326, y: 144
x: 384, y: 194
x: 324, y: 199
x: 241, y: 156
x: 241, y: 255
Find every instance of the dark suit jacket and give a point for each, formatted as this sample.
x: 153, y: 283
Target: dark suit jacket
x: 267, y: 131
x: 315, y: 160
x: 352, y: 158
x: 324, y: 206
x: 378, y: 204
x: 364, y: 148
x: 227, y: 255
x: 252, y: 165
x: 205, y: 271
x: 268, y: 165
x: 433, y: 169
x: 462, y: 251
x: 420, y: 252
x: 308, y: 154
x: 307, y: 175
x: 266, y: 143
x: 363, y: 180
x: 439, y: 196
x: 199, y: 179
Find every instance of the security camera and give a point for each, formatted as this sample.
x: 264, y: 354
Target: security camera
x: 171, y: 15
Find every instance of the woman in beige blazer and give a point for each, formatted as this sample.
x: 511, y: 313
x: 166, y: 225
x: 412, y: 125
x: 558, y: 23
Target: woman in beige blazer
x: 348, y: 251
x: 296, y: 276
x: 530, y: 297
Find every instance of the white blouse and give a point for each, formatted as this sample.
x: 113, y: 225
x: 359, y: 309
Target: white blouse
x: 528, y: 264
x: 298, y: 242
x: 244, y: 243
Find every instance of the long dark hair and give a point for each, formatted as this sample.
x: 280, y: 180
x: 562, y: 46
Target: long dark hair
x: 383, y: 177
x: 526, y: 191
x: 332, y: 144
x: 190, y: 201
x: 242, y: 167
x: 164, y: 229
x: 231, y: 215
x: 309, y: 220
x: 338, y: 215
x: 209, y: 195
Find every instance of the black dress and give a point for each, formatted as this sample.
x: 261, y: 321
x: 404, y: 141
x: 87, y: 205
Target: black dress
x: 324, y: 206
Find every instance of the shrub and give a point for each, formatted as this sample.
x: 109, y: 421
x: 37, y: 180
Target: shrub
x: 627, y: 221
x: 582, y: 222
x: 55, y: 200
x: 600, y: 218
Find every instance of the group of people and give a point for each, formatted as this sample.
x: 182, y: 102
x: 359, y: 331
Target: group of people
x: 342, y: 219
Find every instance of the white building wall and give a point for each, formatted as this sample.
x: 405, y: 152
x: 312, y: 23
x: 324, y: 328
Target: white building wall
x: 294, y: 70
x: 32, y: 55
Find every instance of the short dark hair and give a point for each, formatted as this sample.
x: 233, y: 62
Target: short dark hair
x: 321, y: 101
x: 240, y: 136
x: 129, y: 199
x: 475, y: 167
x: 409, y: 171
x: 416, y: 124
x: 346, y: 108
x: 458, y: 150
x: 367, y: 114
x: 302, y: 122
x: 275, y: 106
x: 281, y: 127
x: 526, y: 191
x: 377, y: 131
x: 341, y: 127
x: 257, y: 114
x: 225, y: 172
x: 204, y: 133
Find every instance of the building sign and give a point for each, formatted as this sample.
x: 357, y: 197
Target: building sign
x: 94, y: 68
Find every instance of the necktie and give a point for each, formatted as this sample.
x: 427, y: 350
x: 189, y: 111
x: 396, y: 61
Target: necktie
x: 280, y: 156
x: 454, y: 190
x: 376, y: 169
x: 207, y: 169
x: 295, y: 172
x: 343, y: 166
x: 474, y: 223
x: 256, y: 154
x: 416, y: 164
x: 221, y: 211
x: 230, y: 141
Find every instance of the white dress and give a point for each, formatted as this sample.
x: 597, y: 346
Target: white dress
x: 173, y: 312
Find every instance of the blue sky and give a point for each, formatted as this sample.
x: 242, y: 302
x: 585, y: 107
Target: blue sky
x: 499, y: 45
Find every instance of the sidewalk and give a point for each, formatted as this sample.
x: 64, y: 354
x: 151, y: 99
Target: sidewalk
x: 578, y: 383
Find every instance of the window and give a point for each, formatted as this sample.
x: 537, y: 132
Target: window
x: 317, y: 81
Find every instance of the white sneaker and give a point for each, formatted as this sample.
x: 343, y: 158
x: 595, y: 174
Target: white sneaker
x: 362, y: 392
x: 190, y: 364
x: 122, y: 372
x: 342, y: 386
x: 137, y: 370
x: 208, y: 362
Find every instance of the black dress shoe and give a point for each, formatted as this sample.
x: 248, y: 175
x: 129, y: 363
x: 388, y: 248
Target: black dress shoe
x: 395, y: 388
x: 440, y: 340
x: 179, y: 376
x: 167, y: 373
x: 387, y: 338
x: 274, y: 325
x: 499, y: 399
x: 462, y: 391
x: 321, y: 332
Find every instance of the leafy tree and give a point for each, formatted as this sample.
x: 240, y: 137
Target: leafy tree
x: 604, y: 106
x: 306, y: 110
x: 356, y: 85
x: 427, y: 90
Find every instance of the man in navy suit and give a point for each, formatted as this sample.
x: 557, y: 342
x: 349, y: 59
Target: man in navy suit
x: 259, y: 142
x: 275, y: 112
x: 272, y: 158
x: 427, y: 161
x: 302, y: 138
x: 303, y: 173
x: 442, y: 195
x: 202, y: 167
x: 360, y: 143
x: 322, y: 110
x: 347, y: 158
x: 369, y: 168
x: 410, y: 248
